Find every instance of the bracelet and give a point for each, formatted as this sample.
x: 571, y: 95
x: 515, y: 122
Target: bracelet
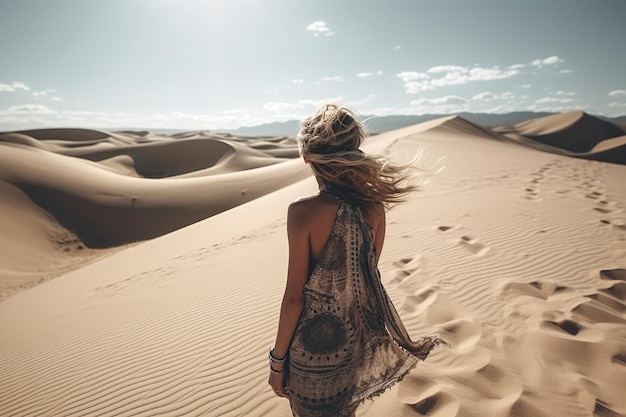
x: 274, y: 359
x: 272, y: 370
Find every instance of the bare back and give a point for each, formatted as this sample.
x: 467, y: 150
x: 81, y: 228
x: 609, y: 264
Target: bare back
x: 321, y: 211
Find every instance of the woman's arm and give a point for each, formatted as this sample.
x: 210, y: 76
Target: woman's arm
x: 379, y: 238
x: 293, y: 298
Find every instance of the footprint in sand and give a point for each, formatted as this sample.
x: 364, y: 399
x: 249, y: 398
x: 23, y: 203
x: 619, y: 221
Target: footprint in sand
x: 531, y: 193
x: 594, y: 195
x: 616, y: 223
x: 601, y: 309
x: 613, y: 274
x: 533, y: 198
x: 473, y: 245
x: 536, y: 289
x: 437, y: 404
x: 570, y: 329
x: 619, y: 358
x: 442, y: 391
x: 574, y: 335
x: 404, y: 268
x: 607, y: 210
x: 608, y: 304
x: 461, y: 333
x: 411, y: 273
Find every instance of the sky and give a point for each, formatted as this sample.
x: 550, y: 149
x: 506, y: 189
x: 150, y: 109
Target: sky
x: 221, y: 64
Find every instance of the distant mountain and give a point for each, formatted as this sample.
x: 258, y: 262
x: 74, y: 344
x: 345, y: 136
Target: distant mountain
x: 288, y: 128
x: 379, y: 124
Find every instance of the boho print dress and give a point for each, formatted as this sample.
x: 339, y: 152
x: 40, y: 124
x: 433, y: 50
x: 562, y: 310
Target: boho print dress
x: 349, y: 344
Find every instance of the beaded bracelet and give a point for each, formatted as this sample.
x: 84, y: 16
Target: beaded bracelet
x: 274, y: 359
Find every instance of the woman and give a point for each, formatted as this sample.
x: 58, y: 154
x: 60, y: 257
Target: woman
x: 340, y: 340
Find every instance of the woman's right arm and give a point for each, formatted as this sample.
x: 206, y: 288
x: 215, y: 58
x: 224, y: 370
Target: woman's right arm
x: 297, y: 275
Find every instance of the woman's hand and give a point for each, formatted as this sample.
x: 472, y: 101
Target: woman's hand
x: 277, y: 382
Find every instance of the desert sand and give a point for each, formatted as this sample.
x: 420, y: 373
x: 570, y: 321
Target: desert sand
x: 513, y: 254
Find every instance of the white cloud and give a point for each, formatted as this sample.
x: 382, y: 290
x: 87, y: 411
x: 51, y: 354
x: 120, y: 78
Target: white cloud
x: 488, y: 96
x: 488, y: 74
x: 30, y: 108
x: 282, y: 107
x: 298, y: 81
x: 526, y: 86
x: 446, y: 68
x: 415, y: 82
x: 55, y: 98
x: 566, y: 71
x: 336, y: 78
x: 516, y: 66
x: 484, y: 96
x: 439, y: 105
x: 565, y: 93
x: 446, y: 75
x: 407, y: 76
x: 617, y: 93
x: 616, y: 104
x: 227, y: 119
x: 30, y: 115
x: 551, y: 60
x: 397, y: 47
x: 14, y: 86
x: 439, y: 101
x: 544, y: 100
x: 93, y: 113
x: 39, y: 93
x: 368, y: 74
x: 319, y: 27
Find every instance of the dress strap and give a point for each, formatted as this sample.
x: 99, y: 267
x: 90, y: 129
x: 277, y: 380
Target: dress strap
x: 338, y: 193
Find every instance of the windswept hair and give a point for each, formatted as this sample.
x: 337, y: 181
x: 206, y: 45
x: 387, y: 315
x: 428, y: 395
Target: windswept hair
x: 330, y: 140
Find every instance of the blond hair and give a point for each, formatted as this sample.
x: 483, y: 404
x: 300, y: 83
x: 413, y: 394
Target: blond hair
x: 330, y: 140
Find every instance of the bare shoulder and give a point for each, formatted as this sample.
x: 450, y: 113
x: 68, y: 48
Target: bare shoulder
x: 313, y: 210
x: 301, y: 210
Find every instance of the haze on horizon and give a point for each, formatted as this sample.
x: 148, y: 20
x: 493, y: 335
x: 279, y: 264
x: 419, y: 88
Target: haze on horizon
x: 221, y: 64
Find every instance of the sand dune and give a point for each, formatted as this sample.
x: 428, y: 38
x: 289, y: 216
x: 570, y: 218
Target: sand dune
x: 515, y: 256
x: 97, y: 190
x: 573, y: 134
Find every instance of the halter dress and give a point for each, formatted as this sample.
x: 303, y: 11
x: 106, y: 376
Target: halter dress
x: 349, y: 344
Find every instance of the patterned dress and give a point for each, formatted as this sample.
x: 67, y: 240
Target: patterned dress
x: 349, y: 344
